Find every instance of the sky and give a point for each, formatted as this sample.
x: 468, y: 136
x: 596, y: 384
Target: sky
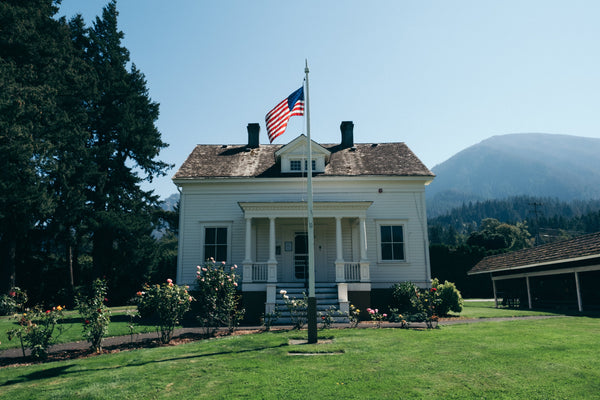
x: 438, y: 75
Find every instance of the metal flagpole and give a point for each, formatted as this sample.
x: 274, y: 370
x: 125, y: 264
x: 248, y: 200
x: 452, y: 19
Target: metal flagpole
x: 311, y: 312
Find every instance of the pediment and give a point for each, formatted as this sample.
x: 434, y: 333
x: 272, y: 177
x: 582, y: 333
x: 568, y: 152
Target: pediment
x: 297, y: 148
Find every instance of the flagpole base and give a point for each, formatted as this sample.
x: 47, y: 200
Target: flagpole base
x: 311, y: 314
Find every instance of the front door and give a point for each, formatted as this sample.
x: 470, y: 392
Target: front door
x: 301, y: 256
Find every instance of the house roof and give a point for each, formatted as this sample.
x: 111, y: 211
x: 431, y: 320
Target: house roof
x: 578, y: 248
x: 240, y: 161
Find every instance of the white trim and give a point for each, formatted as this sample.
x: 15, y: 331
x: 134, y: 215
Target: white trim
x: 546, y: 273
x: 558, y: 261
x: 295, y: 209
x: 392, y: 222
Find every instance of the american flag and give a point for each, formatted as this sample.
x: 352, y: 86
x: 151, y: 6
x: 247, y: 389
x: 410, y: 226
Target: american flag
x: 277, y: 119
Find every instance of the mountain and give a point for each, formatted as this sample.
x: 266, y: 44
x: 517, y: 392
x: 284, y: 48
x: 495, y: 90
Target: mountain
x: 531, y: 164
x: 170, y: 202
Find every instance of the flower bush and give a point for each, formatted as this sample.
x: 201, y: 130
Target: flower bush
x: 270, y: 318
x: 169, y: 301
x: 95, y: 314
x: 37, y: 329
x: 12, y: 302
x: 376, y: 316
x: 297, y: 309
x: 218, y: 296
x: 354, y: 316
x: 327, y: 316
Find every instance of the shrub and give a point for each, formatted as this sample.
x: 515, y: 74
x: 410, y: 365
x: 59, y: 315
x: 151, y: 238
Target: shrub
x: 297, y: 309
x: 13, y: 302
x: 449, y: 295
x: 403, y: 295
x: 354, y: 316
x: 95, y: 314
x: 327, y: 316
x: 169, y: 302
x: 218, y: 297
x: 36, y: 330
x: 376, y: 316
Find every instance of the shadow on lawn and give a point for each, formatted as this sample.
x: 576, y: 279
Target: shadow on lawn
x: 63, y: 370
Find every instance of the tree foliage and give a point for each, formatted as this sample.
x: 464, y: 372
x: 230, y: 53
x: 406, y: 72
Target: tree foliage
x: 78, y: 136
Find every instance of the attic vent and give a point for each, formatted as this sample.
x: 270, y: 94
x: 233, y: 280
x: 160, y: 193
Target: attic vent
x: 247, y: 149
x: 224, y: 146
x: 353, y: 148
x: 374, y: 145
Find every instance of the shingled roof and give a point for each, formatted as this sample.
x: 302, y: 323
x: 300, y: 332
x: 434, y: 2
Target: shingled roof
x: 580, y: 247
x: 241, y: 161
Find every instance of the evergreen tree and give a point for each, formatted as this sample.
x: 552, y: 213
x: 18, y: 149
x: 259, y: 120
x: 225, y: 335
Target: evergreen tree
x: 34, y: 71
x: 124, y: 143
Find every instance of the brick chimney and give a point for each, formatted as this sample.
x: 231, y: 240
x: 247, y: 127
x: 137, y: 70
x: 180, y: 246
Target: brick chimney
x: 253, y: 131
x: 347, y: 128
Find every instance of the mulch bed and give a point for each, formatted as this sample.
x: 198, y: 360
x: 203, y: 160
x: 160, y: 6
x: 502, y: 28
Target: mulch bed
x: 125, y: 345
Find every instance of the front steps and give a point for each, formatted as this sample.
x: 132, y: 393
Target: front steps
x: 325, y: 293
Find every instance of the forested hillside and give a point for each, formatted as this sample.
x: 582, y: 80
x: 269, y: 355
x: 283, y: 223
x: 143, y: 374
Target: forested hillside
x: 534, y: 164
x: 465, y: 235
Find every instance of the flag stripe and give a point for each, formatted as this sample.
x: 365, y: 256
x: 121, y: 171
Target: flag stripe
x: 277, y: 119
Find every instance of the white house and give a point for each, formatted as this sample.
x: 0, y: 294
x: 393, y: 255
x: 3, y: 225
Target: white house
x: 246, y: 205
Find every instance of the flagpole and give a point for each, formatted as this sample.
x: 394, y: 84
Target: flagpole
x: 311, y: 312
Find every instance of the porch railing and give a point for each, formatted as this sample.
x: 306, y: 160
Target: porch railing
x: 352, y: 272
x: 260, y: 272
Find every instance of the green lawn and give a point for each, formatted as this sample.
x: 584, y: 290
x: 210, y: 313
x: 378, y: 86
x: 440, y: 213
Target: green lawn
x: 487, y: 309
x: 552, y: 358
x: 119, y: 325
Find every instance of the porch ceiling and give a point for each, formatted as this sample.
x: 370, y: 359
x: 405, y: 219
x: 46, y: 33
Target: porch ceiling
x: 298, y: 209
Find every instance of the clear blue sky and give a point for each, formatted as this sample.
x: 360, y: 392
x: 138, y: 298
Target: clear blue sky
x: 438, y: 75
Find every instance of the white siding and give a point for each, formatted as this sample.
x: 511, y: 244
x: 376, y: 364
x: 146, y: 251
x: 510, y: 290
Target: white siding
x: 399, y: 199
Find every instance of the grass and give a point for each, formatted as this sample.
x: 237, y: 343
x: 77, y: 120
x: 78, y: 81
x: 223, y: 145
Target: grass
x: 533, y: 359
x: 119, y: 326
x: 487, y: 309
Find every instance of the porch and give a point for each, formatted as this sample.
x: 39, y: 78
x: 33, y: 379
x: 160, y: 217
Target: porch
x: 276, y: 250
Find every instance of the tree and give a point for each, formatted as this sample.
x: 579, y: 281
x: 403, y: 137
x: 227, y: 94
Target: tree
x: 34, y: 69
x: 124, y: 143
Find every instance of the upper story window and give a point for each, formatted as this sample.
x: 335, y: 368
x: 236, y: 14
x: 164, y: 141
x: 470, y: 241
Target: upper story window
x: 296, y: 165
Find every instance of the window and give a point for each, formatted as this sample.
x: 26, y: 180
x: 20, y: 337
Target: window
x: 296, y: 165
x: 391, y: 240
x: 314, y: 164
x: 215, y: 243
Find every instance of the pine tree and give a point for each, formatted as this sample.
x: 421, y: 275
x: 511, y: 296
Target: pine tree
x: 124, y: 144
x: 33, y: 61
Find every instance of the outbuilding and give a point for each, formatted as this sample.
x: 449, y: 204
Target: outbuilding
x: 564, y: 273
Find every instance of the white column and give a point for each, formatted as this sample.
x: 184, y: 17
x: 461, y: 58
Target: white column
x: 248, y: 255
x: 577, y: 287
x: 363, y: 239
x: 272, y: 263
x: 247, y: 263
x: 339, y: 257
x: 365, y: 274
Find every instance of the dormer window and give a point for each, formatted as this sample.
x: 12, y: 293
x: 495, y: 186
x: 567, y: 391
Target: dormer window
x: 293, y: 156
x: 296, y: 165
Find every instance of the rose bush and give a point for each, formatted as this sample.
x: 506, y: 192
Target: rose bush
x: 218, y: 298
x: 169, y: 303
x: 95, y: 314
